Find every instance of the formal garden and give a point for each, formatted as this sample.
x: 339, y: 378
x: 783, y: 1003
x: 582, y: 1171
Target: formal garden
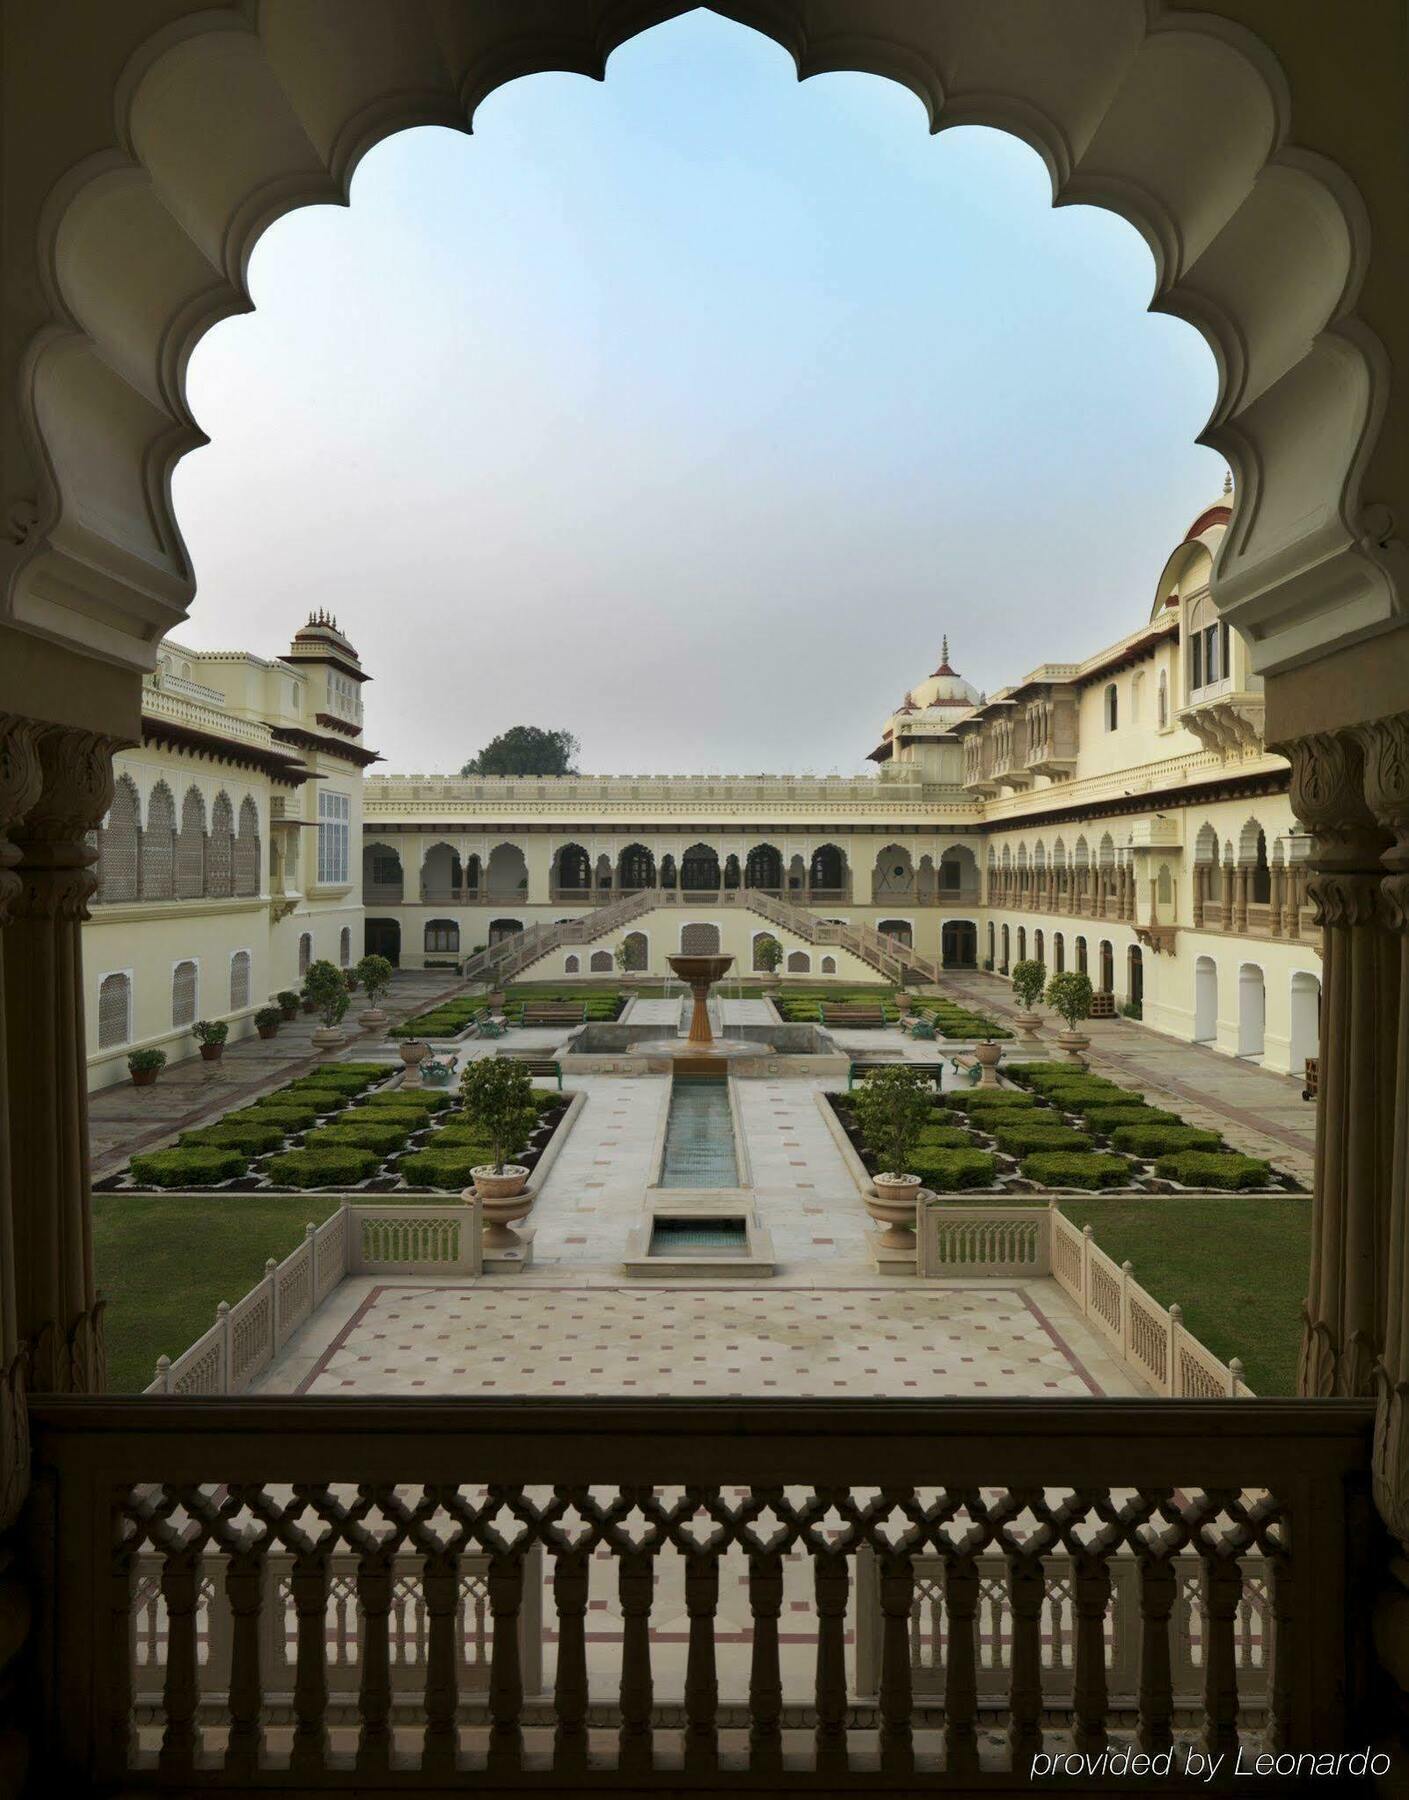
x: 949, y: 1019
x: 454, y: 1018
x: 343, y: 1127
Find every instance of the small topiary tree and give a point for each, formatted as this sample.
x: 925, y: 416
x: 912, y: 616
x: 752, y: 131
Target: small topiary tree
x: 892, y: 1107
x: 1029, y: 979
x: 1070, y: 996
x: 325, y: 987
x: 288, y: 1002
x: 497, y: 1096
x: 767, y: 954
x: 374, y: 972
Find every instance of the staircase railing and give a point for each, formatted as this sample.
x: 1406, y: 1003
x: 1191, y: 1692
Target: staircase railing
x: 501, y: 961
x: 896, y: 961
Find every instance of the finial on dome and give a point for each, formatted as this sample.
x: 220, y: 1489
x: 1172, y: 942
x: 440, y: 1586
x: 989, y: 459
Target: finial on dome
x: 944, y: 668
x: 1227, y: 481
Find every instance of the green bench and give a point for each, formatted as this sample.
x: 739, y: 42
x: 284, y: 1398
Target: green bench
x: 548, y: 1066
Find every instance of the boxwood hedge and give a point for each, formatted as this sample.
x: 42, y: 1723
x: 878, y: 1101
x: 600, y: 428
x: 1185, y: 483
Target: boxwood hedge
x: 333, y: 1166
x: 428, y: 1099
x: 1161, y: 1140
x: 946, y: 1137
x: 251, y: 1139
x: 291, y: 1117
x: 947, y: 1171
x: 448, y: 1168
x: 1023, y: 1139
x: 1106, y: 1118
x: 995, y: 1099
x: 202, y: 1167
x: 376, y: 1134
x: 1075, y: 1169
x: 1207, y: 1169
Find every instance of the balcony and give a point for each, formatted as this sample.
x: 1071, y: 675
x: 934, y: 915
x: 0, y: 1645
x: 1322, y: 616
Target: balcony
x: 344, y: 1594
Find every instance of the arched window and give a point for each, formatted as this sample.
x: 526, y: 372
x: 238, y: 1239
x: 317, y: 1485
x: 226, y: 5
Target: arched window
x: 1112, y: 707
x: 345, y: 947
x: 443, y: 935
x: 1137, y: 695
x: 1081, y: 967
x: 114, y: 1011
x: 699, y: 940
x: 637, y: 951
x: 1059, y: 953
x: 1162, y: 700
x: 1039, y: 949
x: 247, y: 849
x: 829, y: 965
x: 184, y: 978
x: 159, y: 846
x: 636, y: 869
x: 763, y: 868
x: 897, y: 929
x: 572, y: 869
x: 827, y: 873
x: 305, y: 952
x: 799, y: 963
x: 1022, y: 943
x: 601, y: 963
x: 220, y: 854
x: 239, y: 980
x: 1260, y: 883
x: 571, y: 965
x: 699, y: 868
x: 190, y: 847
x: 761, y: 940
x: 118, y: 845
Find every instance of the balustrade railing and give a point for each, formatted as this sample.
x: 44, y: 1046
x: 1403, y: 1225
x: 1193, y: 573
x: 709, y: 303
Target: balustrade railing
x: 1045, y: 1572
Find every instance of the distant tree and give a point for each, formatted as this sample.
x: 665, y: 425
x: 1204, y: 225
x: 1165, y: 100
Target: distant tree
x: 526, y: 750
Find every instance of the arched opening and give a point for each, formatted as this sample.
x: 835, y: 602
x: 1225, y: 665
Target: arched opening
x: 637, y: 950
x: 1205, y: 1000
x: 1111, y: 706
x: 699, y: 939
x: 1135, y: 981
x: 958, y: 944
x: 185, y: 983
x: 760, y: 960
x: 733, y: 875
x: 220, y: 851
x: 305, y: 952
x: 796, y: 874
x: 1059, y: 953
x: 600, y: 963
x: 190, y: 847
x: 247, y: 850
x: 442, y: 937
x: 114, y: 1011
x: 382, y: 879
x: 992, y: 943
x: 571, y: 871
x: 828, y: 874
x: 958, y: 874
x: 572, y: 964
x: 603, y: 873
x: 1039, y: 948
x: 159, y: 845
x: 382, y: 937
x: 829, y: 965
x: 1081, y: 958
x: 1022, y: 943
x: 699, y: 869
x: 894, y: 872
x: 1003, y: 966
x: 668, y: 877
x: 239, y: 981
x: 500, y: 929
x: 763, y: 868
x: 1305, y: 1019
x: 1252, y: 1011
x: 442, y: 876
x: 635, y: 870
x: 118, y: 845
x: 506, y: 873
x: 1107, y: 967
x: 900, y: 930
x: 799, y: 963
x: 345, y: 947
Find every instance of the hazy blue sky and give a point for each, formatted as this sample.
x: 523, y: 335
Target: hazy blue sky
x: 688, y: 411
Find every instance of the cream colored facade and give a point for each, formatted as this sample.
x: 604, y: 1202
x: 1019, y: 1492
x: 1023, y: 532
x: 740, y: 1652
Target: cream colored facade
x: 1119, y: 814
x: 230, y: 857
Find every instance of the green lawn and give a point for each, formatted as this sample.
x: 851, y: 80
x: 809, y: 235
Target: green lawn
x: 165, y: 1263
x: 1237, y: 1266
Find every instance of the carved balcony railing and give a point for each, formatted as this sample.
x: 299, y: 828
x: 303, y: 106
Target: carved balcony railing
x: 1018, y: 1573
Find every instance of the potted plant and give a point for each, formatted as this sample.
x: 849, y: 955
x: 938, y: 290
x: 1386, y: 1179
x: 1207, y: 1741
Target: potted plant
x: 1029, y: 979
x: 350, y: 977
x: 210, y: 1034
x: 621, y: 956
x: 325, y: 987
x: 374, y: 972
x: 288, y: 1003
x: 268, y: 1020
x: 498, y: 1103
x: 145, y: 1065
x: 902, y: 1001
x: 768, y: 956
x: 414, y: 1052
x: 892, y: 1107
x: 1070, y: 997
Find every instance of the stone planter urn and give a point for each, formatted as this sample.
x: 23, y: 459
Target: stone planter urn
x: 414, y: 1052
x: 1029, y: 1026
x: 892, y: 1204
x: 372, y: 1019
x: 496, y: 999
x: 212, y: 1052
x: 328, y: 1037
x: 1072, y: 1044
x: 986, y: 1056
x: 144, y: 1077
x: 503, y: 1202
x: 903, y: 1003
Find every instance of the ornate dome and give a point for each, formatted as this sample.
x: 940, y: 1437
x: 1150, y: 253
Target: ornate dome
x: 945, y: 690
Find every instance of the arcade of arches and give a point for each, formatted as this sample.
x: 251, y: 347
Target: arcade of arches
x: 157, y: 144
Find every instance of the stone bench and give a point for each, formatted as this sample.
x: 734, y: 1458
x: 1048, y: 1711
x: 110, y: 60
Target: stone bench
x: 855, y: 1016
x: 932, y: 1071
x: 536, y: 1065
x: 553, y: 1012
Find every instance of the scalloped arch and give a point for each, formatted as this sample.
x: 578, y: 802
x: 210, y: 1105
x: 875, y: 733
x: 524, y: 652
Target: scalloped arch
x: 235, y: 115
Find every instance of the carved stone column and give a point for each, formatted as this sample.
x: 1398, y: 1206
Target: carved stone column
x: 1386, y: 750
x: 1274, y: 910
x: 1344, y: 1317
x: 1242, y: 880
x: 1200, y: 892
x: 58, y: 1316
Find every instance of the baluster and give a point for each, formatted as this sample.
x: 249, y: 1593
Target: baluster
x: 440, y: 1583
x: 1026, y: 1590
x: 1223, y: 1588
x: 123, y: 1646
x: 1158, y: 1587
x: 960, y: 1676
x: 180, y: 1589
x: 505, y: 1583
x: 765, y: 1675
x: 897, y: 1587
x: 637, y: 1587
x: 571, y: 1572
x: 1091, y: 1594
x: 832, y: 1584
x: 1277, y: 1638
x: 244, y: 1590
x: 374, y: 1690
x: 701, y: 1678
x: 308, y: 1588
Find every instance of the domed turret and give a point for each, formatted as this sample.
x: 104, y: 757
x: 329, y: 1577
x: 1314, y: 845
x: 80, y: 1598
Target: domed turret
x: 945, y: 690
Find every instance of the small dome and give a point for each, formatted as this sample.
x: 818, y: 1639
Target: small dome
x: 945, y: 690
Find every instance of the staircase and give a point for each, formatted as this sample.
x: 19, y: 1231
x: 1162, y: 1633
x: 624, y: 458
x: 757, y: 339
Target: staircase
x: 897, y: 962
x: 502, y: 961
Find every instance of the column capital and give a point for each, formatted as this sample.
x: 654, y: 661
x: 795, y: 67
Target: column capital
x: 1385, y: 748
x: 76, y: 775
x: 21, y: 782
x: 1328, y: 796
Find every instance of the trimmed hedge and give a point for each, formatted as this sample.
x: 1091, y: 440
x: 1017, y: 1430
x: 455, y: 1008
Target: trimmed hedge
x: 945, y: 1137
x: 1073, y: 1169
x: 270, y: 1112
x: 1106, y: 1118
x: 1023, y: 1139
x: 1163, y: 1140
x: 376, y: 1134
x: 443, y: 1168
x: 188, y: 1168
x: 334, y: 1166
x: 1205, y: 1169
x: 459, y: 1131
x: 251, y: 1140
x: 1073, y: 1096
x: 325, y: 1099
x: 339, y: 1081
x: 428, y: 1099
x: 999, y: 1099
x: 948, y: 1171
x: 409, y: 1118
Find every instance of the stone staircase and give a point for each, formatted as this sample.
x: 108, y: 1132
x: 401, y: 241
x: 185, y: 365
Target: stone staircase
x: 502, y: 961
x: 897, y: 962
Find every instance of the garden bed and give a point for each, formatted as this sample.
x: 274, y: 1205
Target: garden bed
x: 1064, y: 1131
x: 345, y: 1128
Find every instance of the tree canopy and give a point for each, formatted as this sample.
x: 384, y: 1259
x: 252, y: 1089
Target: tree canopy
x: 526, y: 750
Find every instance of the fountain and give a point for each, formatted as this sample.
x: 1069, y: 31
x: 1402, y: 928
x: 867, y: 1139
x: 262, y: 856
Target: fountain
x: 700, y: 973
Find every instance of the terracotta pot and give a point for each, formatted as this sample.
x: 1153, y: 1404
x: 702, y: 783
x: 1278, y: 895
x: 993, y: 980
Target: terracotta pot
x: 212, y: 1052
x: 267, y: 1031
x: 986, y: 1056
x: 143, y: 1077
x: 892, y: 1204
x: 328, y: 1037
x: 1029, y: 1026
x: 503, y: 1201
x: 372, y: 1019
x: 1071, y: 1044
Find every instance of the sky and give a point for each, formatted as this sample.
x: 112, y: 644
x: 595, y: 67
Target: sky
x: 688, y: 411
